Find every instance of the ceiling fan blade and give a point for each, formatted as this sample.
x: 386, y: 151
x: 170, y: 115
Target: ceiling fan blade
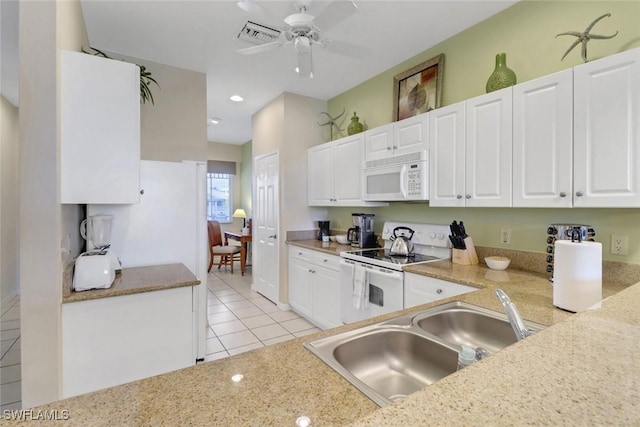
x: 259, y: 49
x: 334, y: 13
x: 344, y: 48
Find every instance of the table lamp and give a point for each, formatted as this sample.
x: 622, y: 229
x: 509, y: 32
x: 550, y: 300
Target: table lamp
x: 240, y: 213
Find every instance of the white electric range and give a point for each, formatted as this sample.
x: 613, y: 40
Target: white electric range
x: 372, y: 281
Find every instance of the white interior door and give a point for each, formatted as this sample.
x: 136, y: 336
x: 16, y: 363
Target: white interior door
x: 266, y: 265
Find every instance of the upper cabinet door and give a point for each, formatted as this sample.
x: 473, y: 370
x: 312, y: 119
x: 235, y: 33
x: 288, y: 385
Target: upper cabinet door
x: 379, y: 143
x: 607, y: 132
x: 321, y: 166
x: 411, y: 135
x: 100, y: 130
x: 447, y: 156
x: 348, y: 172
x: 488, y: 156
x: 543, y: 141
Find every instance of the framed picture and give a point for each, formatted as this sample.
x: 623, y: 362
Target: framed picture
x: 418, y: 89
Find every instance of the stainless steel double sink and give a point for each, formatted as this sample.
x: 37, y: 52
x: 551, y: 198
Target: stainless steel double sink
x: 391, y: 359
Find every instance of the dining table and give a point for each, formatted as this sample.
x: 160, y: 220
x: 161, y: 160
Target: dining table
x: 244, y: 240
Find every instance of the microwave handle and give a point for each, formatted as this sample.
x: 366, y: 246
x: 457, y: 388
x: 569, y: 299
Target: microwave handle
x: 403, y: 181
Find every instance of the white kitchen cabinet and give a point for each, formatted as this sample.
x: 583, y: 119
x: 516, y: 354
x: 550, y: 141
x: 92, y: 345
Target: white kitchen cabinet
x: 488, y: 159
x: 470, y: 158
x: 100, y: 130
x: 112, y: 341
x: 405, y: 137
x: 335, y: 173
x: 301, y: 281
x: 606, y: 152
x: 447, y: 156
x: 419, y: 289
x: 543, y: 141
x: 314, y: 286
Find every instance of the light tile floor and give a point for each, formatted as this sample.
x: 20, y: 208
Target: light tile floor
x: 239, y: 320
x: 10, y: 372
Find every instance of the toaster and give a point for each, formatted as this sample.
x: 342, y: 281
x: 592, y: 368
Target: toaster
x: 94, y: 270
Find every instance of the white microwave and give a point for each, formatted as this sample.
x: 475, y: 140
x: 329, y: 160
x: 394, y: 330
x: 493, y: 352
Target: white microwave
x: 408, y: 181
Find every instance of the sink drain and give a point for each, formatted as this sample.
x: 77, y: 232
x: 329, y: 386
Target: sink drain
x: 397, y: 397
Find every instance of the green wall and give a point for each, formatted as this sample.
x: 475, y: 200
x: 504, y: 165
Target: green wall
x: 526, y: 33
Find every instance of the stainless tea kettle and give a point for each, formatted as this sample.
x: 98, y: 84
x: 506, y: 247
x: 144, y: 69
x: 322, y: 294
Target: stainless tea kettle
x: 401, y: 245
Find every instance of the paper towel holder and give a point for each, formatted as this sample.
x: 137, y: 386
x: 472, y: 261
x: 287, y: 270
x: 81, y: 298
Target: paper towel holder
x: 565, y: 232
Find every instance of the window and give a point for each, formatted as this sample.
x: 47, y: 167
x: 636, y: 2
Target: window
x: 219, y: 197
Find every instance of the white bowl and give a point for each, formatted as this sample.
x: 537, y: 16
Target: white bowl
x: 342, y: 239
x: 332, y: 238
x: 497, y: 262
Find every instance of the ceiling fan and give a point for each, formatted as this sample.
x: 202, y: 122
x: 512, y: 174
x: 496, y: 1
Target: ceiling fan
x: 302, y: 30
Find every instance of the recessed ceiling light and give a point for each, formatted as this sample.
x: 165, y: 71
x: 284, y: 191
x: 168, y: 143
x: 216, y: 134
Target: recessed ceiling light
x: 236, y: 98
x: 214, y: 120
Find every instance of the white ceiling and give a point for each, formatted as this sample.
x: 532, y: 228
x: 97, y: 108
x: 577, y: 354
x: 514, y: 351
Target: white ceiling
x: 201, y: 36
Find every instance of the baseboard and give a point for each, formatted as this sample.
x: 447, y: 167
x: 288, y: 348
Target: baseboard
x: 283, y: 306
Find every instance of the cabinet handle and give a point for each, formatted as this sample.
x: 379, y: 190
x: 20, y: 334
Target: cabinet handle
x: 459, y: 196
x: 388, y: 148
x: 563, y: 194
x: 468, y: 196
x: 325, y: 260
x: 395, y: 147
x: 142, y: 192
x: 438, y: 291
x: 579, y: 193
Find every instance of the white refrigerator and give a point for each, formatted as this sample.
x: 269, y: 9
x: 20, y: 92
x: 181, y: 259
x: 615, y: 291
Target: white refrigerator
x: 169, y: 225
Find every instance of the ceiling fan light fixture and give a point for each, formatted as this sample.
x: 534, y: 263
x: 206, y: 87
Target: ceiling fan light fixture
x: 302, y: 44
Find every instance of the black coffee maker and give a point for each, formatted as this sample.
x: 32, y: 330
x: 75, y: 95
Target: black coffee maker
x: 323, y: 229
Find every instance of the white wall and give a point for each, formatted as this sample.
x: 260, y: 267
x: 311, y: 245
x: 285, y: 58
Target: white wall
x: 288, y: 125
x: 40, y: 217
x: 174, y: 128
x: 44, y: 28
x: 9, y: 224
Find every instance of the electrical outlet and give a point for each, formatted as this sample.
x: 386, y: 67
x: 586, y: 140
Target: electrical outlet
x: 505, y: 236
x: 619, y: 244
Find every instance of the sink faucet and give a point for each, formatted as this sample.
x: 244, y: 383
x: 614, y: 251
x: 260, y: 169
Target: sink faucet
x: 514, y: 317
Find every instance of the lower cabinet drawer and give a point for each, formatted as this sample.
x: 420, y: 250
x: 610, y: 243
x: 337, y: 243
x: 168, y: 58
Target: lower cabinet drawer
x: 331, y: 262
x: 420, y: 289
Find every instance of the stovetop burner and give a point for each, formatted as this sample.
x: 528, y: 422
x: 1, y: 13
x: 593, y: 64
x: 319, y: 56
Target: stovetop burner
x: 383, y: 255
x: 430, y: 243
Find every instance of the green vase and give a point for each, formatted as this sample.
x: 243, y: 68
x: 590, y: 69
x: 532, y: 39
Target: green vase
x: 502, y: 76
x: 355, y: 126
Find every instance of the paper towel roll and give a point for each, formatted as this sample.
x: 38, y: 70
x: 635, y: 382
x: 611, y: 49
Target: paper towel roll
x: 577, y: 275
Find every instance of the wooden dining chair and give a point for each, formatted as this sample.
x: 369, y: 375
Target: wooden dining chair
x: 228, y: 254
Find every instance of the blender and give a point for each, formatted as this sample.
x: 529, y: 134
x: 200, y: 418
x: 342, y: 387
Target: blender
x: 96, y: 268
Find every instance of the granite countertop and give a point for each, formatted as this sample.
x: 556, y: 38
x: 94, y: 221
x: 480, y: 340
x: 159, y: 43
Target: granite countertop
x: 582, y: 370
x: 135, y: 280
x: 331, y: 248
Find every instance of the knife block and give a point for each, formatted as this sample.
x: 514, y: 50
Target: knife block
x: 465, y: 256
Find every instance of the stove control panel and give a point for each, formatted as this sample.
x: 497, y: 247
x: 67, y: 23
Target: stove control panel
x: 436, y: 235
